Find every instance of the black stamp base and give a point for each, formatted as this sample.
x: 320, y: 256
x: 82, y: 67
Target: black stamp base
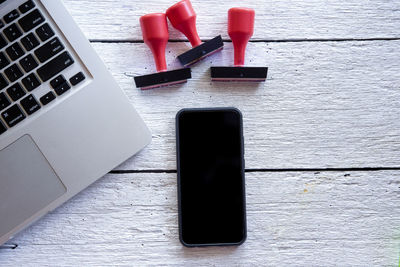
x: 249, y: 74
x: 199, y: 52
x: 164, y: 78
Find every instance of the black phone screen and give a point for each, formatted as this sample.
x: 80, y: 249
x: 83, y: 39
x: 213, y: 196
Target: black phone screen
x: 211, y: 177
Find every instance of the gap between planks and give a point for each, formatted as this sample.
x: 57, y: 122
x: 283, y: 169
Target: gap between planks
x: 274, y: 170
x: 135, y: 41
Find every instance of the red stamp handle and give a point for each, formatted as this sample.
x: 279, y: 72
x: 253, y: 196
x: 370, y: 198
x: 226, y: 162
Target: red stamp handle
x: 183, y: 18
x: 155, y: 35
x: 240, y: 29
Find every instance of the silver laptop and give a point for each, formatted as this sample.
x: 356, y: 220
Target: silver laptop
x: 64, y: 122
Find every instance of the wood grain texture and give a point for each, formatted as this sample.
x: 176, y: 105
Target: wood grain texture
x: 324, y: 105
x: 275, y: 20
x: 302, y: 219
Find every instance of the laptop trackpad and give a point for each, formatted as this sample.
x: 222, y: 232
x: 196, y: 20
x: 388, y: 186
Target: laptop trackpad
x: 27, y: 183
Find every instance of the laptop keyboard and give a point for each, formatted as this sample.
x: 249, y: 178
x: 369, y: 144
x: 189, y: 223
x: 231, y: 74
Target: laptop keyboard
x: 31, y: 54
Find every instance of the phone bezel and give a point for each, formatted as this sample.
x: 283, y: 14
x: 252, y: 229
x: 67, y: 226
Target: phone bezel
x: 204, y: 110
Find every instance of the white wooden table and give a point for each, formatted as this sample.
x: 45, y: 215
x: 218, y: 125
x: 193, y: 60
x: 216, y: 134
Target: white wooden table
x: 322, y: 140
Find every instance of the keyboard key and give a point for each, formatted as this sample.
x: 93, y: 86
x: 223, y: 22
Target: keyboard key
x: 3, y: 41
x: 13, y: 73
x: 77, y: 78
x: 57, y: 81
x: 12, y: 32
x: 30, y: 82
x: 13, y: 116
x: 25, y: 7
x: 44, y: 32
x: 29, y: 42
x: 62, y: 88
x: 47, y: 98
x: 3, y: 82
x: 15, y: 92
x: 48, y: 50
x: 30, y: 105
x: 1, y: 24
x: 3, y: 128
x: 31, y: 20
x: 28, y: 63
x: 55, y: 66
x: 11, y: 16
x: 3, y: 61
x: 15, y: 51
x: 4, y: 101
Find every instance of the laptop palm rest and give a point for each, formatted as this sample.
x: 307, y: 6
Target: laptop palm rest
x: 27, y: 183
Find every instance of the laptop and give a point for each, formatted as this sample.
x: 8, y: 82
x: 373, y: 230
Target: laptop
x: 64, y: 122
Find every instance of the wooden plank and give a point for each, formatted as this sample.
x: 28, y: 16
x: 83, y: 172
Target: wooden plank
x: 294, y: 218
x: 325, y: 104
x: 275, y: 20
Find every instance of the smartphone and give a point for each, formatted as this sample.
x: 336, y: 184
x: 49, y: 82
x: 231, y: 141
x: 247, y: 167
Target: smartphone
x: 211, y: 185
